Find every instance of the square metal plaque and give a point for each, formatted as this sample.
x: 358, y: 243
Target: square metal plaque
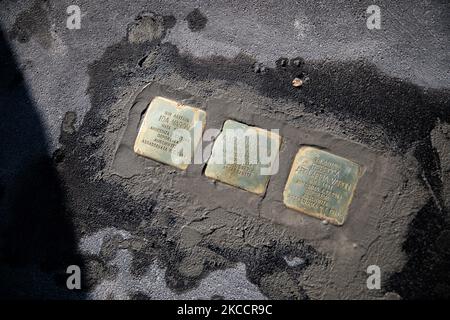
x: 244, y: 156
x: 321, y: 184
x: 170, y: 132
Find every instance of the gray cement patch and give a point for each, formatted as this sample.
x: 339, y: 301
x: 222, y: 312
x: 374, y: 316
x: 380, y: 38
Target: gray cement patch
x: 348, y: 245
x: 212, y: 194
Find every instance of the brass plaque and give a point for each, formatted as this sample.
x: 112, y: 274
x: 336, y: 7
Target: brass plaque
x: 321, y: 184
x: 244, y: 156
x: 170, y: 132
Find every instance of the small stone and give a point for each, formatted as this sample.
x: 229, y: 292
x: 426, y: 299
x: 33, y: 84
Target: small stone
x: 324, y: 222
x: 297, y: 82
x: 294, y: 262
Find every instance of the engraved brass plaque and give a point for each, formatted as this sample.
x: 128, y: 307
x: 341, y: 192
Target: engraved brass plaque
x: 244, y: 156
x: 321, y: 184
x: 170, y: 132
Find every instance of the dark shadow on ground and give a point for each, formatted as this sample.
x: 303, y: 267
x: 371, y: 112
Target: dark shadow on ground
x: 427, y: 245
x: 37, y: 241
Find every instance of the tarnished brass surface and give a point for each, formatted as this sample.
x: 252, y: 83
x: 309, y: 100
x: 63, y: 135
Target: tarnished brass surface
x: 155, y: 139
x: 321, y: 184
x: 249, y: 175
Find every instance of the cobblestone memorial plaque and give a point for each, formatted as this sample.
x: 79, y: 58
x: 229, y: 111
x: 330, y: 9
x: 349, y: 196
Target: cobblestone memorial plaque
x: 244, y: 156
x: 170, y: 132
x: 321, y: 184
